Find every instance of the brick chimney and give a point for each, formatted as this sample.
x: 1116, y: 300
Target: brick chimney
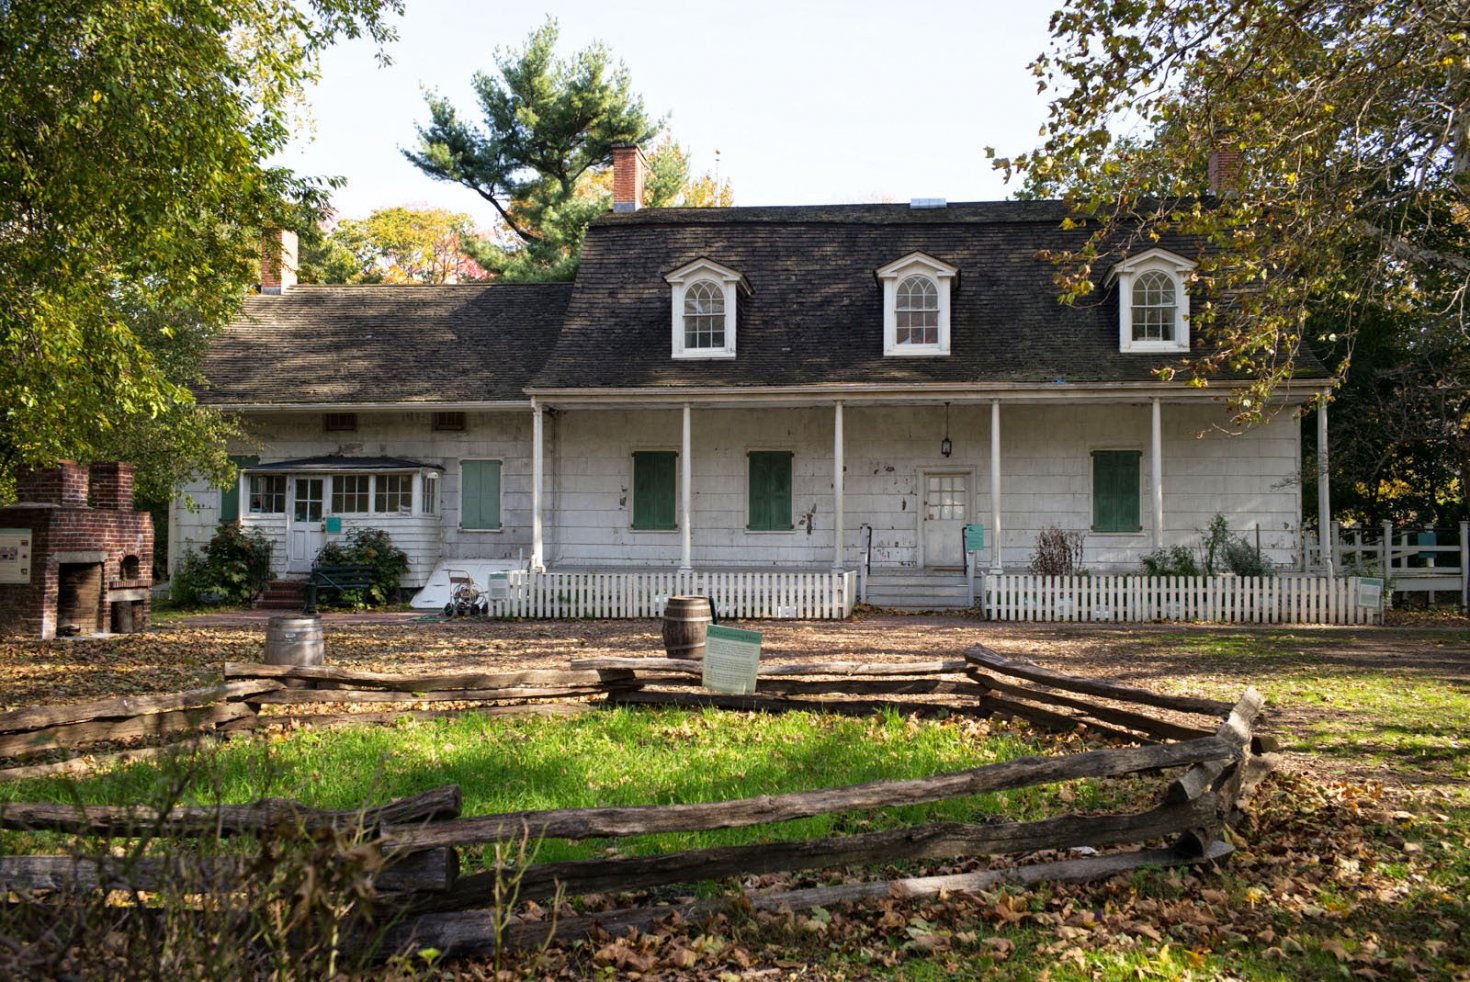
x: 1224, y: 167
x: 628, y: 171
x: 64, y: 485
x: 278, y: 261
x: 112, y: 486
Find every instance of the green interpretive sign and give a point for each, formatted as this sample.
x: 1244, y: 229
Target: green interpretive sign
x: 974, y: 538
x: 334, y: 524
x: 731, y: 658
x: 1370, y: 592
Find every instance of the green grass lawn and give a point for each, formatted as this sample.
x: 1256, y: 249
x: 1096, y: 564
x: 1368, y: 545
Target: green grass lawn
x: 624, y: 756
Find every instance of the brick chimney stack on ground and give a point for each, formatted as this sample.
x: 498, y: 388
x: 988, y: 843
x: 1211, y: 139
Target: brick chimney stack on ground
x: 278, y: 261
x: 628, y: 172
x: 112, y: 486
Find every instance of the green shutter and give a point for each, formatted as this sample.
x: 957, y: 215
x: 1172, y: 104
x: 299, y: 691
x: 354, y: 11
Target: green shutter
x: 479, y: 494
x: 653, y: 490
x: 229, y: 496
x: 1115, y: 490
x: 770, y: 490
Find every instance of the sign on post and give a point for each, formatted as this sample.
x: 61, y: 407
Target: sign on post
x: 731, y: 658
x: 974, y: 538
x: 1370, y: 592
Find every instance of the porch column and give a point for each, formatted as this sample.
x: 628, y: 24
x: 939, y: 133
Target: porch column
x: 1158, y: 477
x: 538, y: 473
x: 838, y: 509
x: 995, y: 565
x: 686, y: 465
x: 1324, y: 492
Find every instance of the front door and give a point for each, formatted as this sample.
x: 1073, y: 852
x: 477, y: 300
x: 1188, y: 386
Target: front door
x: 945, y: 512
x: 304, y: 531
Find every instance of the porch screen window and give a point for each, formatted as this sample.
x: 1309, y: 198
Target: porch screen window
x: 770, y: 491
x: 393, y: 493
x: 267, y: 494
x: 350, y: 493
x: 229, y: 496
x: 653, y: 491
x: 1115, y: 491
x: 479, y: 494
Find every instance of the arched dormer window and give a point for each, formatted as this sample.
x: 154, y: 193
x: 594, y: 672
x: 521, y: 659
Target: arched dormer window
x: 704, y: 301
x: 916, y: 292
x: 1153, y: 301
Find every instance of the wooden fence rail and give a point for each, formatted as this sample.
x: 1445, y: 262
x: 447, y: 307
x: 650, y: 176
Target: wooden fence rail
x: 1213, y: 770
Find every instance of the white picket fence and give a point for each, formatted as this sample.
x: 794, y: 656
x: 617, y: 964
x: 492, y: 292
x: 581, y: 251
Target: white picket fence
x: 1285, y: 599
x: 643, y: 593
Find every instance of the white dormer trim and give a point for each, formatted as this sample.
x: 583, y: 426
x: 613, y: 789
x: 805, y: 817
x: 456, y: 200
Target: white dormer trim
x: 1126, y: 273
x: 730, y: 282
x: 941, y: 274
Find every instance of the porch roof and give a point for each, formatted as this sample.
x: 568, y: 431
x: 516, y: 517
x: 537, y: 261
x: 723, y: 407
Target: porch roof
x: 336, y: 463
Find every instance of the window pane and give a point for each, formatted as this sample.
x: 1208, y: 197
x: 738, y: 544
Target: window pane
x: 308, y: 506
x: 1154, y: 307
x: 479, y: 494
x: 350, y: 493
x: 431, y: 494
x: 704, y: 315
x: 393, y: 493
x: 267, y: 494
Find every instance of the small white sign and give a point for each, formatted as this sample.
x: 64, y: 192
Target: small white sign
x: 15, y: 555
x: 1370, y: 592
x: 731, y: 659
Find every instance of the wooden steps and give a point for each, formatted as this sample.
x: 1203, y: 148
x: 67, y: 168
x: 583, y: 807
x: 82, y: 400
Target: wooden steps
x: 282, y: 595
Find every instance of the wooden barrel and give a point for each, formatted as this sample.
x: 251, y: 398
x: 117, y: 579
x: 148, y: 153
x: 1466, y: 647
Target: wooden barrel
x: 294, y: 641
x: 686, y: 625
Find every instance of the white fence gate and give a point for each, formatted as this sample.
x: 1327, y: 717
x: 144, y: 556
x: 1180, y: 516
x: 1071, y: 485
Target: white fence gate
x: 1282, y: 599
x: 642, y: 593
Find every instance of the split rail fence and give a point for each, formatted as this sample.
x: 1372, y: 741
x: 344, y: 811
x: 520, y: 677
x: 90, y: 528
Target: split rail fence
x: 1284, y: 599
x: 1211, y: 768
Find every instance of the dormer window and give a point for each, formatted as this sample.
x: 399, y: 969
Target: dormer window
x: 916, y: 292
x: 1153, y: 301
x: 704, y: 305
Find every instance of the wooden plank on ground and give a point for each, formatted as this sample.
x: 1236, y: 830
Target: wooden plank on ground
x: 1108, y: 714
x: 777, y: 704
x: 431, y: 871
x: 939, y: 840
x: 471, y: 932
x: 586, y: 823
x: 127, y: 707
x: 297, y: 697
x: 993, y: 705
x: 984, y: 657
x: 88, y: 762
x: 779, y: 669
x: 103, y: 731
x: 422, y: 683
x: 434, y: 805
x: 324, y: 720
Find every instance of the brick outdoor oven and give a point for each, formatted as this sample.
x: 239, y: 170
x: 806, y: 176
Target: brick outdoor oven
x: 75, y: 558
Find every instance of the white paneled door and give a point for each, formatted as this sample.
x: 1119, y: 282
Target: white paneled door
x: 304, y: 531
x: 945, y: 510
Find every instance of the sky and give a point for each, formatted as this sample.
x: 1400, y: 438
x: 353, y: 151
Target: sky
x: 806, y: 102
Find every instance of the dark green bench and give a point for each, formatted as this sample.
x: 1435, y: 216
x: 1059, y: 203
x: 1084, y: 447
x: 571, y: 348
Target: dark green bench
x: 338, y: 578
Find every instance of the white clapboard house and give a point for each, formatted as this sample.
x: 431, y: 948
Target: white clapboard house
x: 778, y: 392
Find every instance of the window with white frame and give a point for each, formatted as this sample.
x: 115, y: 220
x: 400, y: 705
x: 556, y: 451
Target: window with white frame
x: 267, y: 494
x: 1153, y: 301
x: 704, y: 300
x: 431, y: 494
x: 393, y: 493
x: 916, y: 305
x: 351, y: 493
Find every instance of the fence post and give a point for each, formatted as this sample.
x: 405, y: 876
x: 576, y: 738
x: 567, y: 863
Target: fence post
x: 1387, y: 551
x: 1465, y: 567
